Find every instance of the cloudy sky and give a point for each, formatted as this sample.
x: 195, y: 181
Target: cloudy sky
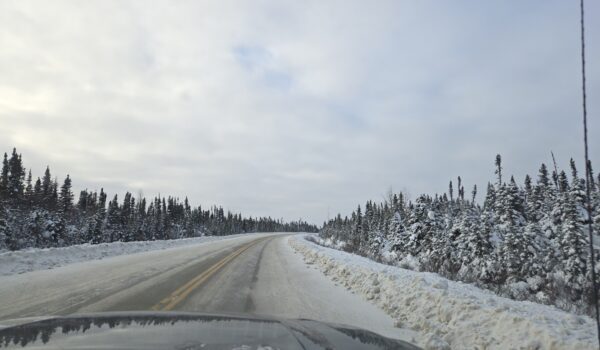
x: 293, y: 108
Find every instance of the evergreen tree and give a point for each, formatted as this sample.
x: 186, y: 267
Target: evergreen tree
x: 486, y: 261
x: 577, y: 193
x: 4, y: 178
x: 4, y: 232
x: 397, y: 229
x: 541, y: 209
x: 535, y: 252
x: 590, y: 176
x: 66, y: 197
x: 53, y: 200
x: 97, y: 223
x: 37, y: 193
x: 15, y: 177
x: 419, y: 227
x: 29, y: 190
x: 47, y: 188
x: 357, y: 219
x: 574, y: 244
x: 528, y: 186
x: 543, y: 179
x: 514, y: 247
x: 499, y: 169
x: 474, y: 244
x: 490, y: 198
x: 82, y: 203
x: 113, y: 221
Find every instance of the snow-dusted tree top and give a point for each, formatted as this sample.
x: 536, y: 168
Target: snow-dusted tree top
x: 526, y: 242
x: 41, y: 214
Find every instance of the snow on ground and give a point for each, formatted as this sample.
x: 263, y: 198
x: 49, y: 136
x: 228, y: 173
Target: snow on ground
x: 451, y: 315
x: 287, y: 287
x: 32, y: 259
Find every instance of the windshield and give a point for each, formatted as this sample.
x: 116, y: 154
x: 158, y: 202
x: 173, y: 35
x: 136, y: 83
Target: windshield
x: 410, y: 169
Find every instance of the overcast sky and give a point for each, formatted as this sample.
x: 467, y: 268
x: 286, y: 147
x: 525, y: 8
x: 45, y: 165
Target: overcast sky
x: 293, y: 108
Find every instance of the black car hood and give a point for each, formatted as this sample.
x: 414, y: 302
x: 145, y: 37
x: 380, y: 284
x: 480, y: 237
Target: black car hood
x: 170, y: 330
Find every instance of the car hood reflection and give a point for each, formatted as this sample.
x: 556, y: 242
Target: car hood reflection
x: 142, y: 330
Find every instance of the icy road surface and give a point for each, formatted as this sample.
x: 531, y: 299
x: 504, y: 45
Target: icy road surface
x: 259, y: 274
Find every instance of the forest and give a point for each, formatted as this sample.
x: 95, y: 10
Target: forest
x: 42, y: 213
x: 527, y: 242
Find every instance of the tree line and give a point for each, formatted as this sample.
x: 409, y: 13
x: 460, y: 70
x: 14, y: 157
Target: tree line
x: 526, y: 241
x: 42, y: 214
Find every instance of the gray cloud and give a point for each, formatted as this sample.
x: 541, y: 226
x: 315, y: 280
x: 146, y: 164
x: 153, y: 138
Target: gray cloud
x: 286, y: 108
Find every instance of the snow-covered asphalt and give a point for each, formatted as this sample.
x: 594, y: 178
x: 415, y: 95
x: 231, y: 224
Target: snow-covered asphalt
x: 258, y: 274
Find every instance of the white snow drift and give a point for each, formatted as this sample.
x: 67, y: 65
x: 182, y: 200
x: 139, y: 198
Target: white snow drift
x: 32, y: 259
x: 452, y: 315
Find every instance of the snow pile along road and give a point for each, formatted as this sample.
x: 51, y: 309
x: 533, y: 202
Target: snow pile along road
x: 451, y: 315
x: 21, y: 261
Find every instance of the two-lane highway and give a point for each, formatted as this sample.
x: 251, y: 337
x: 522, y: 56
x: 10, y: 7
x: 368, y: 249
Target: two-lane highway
x: 192, y: 288
x: 256, y: 274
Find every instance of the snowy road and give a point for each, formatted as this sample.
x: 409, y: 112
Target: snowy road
x: 259, y: 274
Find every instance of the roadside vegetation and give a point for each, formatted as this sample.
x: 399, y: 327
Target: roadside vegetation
x: 527, y: 242
x: 42, y: 213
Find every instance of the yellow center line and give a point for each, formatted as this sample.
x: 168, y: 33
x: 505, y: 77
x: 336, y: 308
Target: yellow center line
x: 182, y: 292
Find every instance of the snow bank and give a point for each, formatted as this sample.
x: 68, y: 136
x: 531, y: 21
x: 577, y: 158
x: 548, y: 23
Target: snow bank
x: 451, y: 315
x: 31, y: 259
x: 328, y: 242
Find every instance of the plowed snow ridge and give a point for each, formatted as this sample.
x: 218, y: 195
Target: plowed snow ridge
x: 451, y: 315
x: 32, y: 259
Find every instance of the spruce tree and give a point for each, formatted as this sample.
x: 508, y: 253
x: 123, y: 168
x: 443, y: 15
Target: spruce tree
x: 53, y: 200
x: 574, y: 245
x: 96, y: 235
x: 4, y: 232
x: 554, y: 229
x: 29, y: 190
x: 462, y: 228
x: 4, y: 178
x: 590, y: 177
x: 418, y: 227
x: 66, y: 197
x: 82, y: 203
x: 15, y: 177
x: 397, y: 229
x: 37, y: 193
x: 510, y: 224
x: 126, y: 218
x: 528, y: 186
x: 47, y: 188
x: 499, y: 169
x: 113, y: 220
x: 543, y: 179
x: 490, y: 198
x: 358, y: 224
x: 535, y: 252
x: 543, y: 206
x: 366, y: 228
x: 577, y: 193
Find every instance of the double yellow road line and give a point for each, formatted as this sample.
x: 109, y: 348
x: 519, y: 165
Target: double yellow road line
x: 182, y: 292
